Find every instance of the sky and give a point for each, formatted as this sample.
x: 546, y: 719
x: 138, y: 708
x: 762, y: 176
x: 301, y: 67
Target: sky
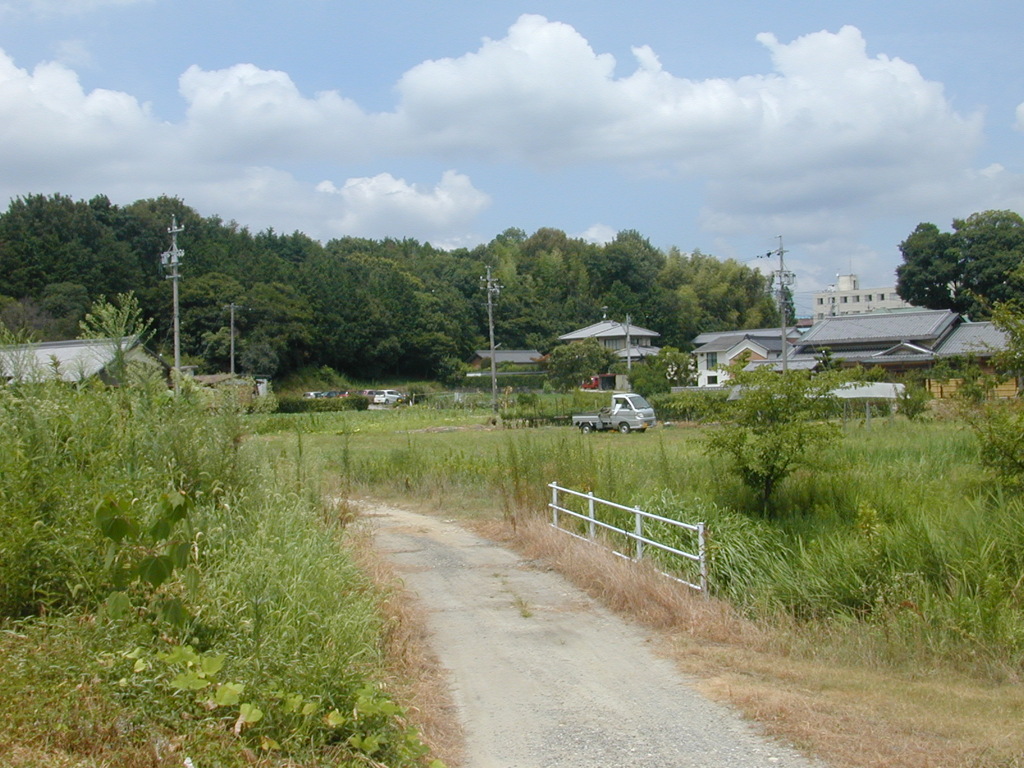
x: 829, y: 129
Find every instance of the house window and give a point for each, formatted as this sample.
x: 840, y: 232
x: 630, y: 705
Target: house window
x: 868, y: 297
x: 844, y: 299
x: 881, y: 297
x: 712, y: 360
x: 856, y: 299
x: 821, y: 300
x: 712, y: 381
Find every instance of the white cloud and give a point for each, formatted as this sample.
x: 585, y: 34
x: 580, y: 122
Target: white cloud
x: 1019, y: 125
x: 830, y: 138
x: 601, y: 234
x: 383, y: 205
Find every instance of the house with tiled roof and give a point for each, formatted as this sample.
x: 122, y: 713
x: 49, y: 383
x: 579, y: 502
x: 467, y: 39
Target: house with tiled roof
x: 714, y: 351
x: 519, y: 358
x: 901, y: 343
x: 628, y: 341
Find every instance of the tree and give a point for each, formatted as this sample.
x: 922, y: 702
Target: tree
x: 966, y: 270
x: 570, y: 364
x: 778, y: 420
x: 122, y: 324
x: 669, y: 368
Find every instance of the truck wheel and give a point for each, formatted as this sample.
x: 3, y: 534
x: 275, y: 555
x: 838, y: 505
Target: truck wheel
x: 586, y: 429
x: 624, y: 428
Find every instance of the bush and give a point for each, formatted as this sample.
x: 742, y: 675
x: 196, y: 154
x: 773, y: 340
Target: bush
x: 691, y: 405
x: 322, y: 404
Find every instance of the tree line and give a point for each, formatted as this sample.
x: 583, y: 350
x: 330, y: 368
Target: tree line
x: 367, y: 308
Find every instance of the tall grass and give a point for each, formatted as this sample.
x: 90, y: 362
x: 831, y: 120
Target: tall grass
x: 278, y: 646
x: 894, y: 536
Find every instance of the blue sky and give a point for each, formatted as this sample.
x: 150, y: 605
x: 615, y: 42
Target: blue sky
x: 712, y: 126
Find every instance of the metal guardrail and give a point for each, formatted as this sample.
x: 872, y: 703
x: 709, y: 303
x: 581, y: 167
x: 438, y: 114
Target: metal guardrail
x: 640, y: 541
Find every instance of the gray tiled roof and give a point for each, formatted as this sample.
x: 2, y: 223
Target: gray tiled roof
x: 726, y: 341
x: 607, y: 329
x: 710, y: 336
x: 516, y: 356
x: 923, y: 327
x: 973, y: 339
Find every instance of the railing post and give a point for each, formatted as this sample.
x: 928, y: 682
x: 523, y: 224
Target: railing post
x: 590, y: 511
x: 554, y: 504
x: 703, y: 559
x: 639, y: 530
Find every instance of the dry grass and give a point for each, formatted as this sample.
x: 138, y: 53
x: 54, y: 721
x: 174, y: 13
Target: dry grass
x: 847, y: 716
x: 418, y: 681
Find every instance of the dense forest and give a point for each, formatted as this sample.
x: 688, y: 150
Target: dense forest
x: 368, y: 308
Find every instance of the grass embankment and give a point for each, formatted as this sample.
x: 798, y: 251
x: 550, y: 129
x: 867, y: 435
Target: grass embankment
x: 168, y: 591
x: 881, y: 608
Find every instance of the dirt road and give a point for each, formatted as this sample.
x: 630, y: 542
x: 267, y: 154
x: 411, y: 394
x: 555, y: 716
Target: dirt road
x: 543, y: 676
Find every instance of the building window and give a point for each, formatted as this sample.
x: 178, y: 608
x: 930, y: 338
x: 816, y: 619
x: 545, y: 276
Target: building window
x: 821, y: 300
x: 868, y: 297
x: 856, y: 299
x: 881, y: 297
x: 712, y: 360
x: 844, y: 299
x: 712, y: 381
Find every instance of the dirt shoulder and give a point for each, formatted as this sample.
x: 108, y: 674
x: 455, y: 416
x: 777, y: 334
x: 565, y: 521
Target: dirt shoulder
x: 543, y: 675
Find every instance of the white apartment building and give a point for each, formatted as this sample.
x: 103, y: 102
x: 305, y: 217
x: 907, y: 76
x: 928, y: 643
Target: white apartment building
x: 846, y: 297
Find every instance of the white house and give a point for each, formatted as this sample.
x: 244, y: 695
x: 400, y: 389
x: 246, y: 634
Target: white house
x: 716, y: 350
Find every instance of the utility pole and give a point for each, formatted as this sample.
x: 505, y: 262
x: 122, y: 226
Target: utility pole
x: 629, y: 349
x: 783, y: 280
x: 232, y: 306
x: 493, y: 289
x: 170, y: 260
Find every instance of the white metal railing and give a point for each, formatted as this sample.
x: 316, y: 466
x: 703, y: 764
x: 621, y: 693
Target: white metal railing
x: 699, y: 558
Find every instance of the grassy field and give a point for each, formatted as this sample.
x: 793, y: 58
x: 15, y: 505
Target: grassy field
x: 176, y: 579
x: 886, y: 591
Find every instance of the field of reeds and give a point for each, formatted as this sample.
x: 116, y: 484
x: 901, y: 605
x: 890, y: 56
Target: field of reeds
x: 895, y: 542
x: 171, y: 595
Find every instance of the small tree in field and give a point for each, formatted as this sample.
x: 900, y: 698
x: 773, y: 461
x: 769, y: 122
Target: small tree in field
x: 775, y: 423
x: 569, y: 364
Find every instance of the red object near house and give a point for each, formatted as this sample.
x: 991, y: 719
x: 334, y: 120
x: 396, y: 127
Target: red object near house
x: 602, y: 381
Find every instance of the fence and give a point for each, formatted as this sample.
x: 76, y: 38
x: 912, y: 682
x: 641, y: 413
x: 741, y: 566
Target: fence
x: 636, y: 536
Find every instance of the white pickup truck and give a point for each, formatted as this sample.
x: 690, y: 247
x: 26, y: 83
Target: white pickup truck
x: 627, y: 412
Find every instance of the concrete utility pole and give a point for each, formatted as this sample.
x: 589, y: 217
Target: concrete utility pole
x: 783, y: 279
x: 232, y: 306
x: 629, y: 350
x: 493, y: 289
x: 170, y: 260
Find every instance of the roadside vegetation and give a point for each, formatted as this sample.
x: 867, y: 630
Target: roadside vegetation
x: 171, y: 594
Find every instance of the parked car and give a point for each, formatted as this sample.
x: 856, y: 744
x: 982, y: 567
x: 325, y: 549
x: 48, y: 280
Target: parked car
x: 388, y: 397
x: 311, y: 395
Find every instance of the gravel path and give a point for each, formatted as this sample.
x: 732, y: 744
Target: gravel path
x: 543, y: 676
